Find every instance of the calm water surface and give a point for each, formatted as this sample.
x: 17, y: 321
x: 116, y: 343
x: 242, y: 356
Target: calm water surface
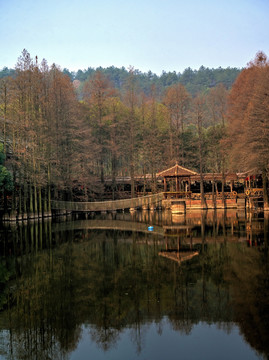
x: 196, y: 287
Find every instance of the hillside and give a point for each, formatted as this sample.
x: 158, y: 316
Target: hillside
x: 195, y: 81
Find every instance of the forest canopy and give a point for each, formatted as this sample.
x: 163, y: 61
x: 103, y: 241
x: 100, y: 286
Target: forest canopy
x: 194, y: 80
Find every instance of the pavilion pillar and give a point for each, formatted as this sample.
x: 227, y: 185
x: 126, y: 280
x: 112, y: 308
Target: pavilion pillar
x: 177, y: 184
x: 165, y: 184
x: 223, y: 183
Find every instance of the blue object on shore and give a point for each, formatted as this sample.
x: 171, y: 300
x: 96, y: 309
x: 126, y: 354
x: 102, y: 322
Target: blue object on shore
x: 150, y: 228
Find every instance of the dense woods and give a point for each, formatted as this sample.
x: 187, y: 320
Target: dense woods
x: 193, y: 80
x: 64, y: 133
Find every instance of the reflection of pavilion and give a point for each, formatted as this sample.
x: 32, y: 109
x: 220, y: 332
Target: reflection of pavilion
x: 178, y: 243
x: 178, y: 256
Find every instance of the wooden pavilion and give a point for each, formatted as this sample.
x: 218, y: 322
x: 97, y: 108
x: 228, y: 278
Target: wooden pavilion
x: 179, y: 183
x: 178, y: 174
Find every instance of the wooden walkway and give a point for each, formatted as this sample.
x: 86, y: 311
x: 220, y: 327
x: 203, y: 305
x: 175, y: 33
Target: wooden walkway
x: 134, y: 203
x: 163, y: 199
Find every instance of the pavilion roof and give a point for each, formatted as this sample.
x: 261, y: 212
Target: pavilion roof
x: 176, y: 170
x: 254, y: 171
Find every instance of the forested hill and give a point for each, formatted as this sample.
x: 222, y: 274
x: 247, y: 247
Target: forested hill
x: 6, y: 72
x: 194, y: 80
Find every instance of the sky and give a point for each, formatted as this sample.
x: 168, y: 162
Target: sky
x: 155, y: 35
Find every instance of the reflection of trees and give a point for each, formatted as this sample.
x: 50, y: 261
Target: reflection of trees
x: 184, y: 327
x: 249, y: 278
x: 6, y: 272
x: 137, y: 334
x: 44, y: 308
x: 104, y: 337
x: 115, y: 280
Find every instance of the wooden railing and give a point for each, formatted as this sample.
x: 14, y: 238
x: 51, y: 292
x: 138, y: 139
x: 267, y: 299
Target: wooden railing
x: 177, y: 194
x: 197, y: 196
x: 253, y: 192
x: 108, y: 205
x: 218, y: 196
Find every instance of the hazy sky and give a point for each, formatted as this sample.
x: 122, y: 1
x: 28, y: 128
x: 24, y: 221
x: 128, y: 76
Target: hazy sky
x: 151, y: 35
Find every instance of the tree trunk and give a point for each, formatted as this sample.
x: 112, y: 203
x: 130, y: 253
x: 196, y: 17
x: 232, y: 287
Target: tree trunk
x: 265, y: 190
x: 132, y: 180
x: 14, y: 200
x: 113, y: 185
x: 20, y: 202
x: 25, y: 193
x: 5, y: 202
x: 49, y: 198
x: 222, y: 187
x: 203, y: 201
x: 35, y: 200
x: 39, y: 201
x: 144, y: 180
x: 213, y: 194
x: 45, y: 201
x: 31, y: 208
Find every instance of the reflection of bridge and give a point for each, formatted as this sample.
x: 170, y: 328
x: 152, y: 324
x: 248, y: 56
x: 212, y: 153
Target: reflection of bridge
x: 108, y: 225
x: 182, y: 232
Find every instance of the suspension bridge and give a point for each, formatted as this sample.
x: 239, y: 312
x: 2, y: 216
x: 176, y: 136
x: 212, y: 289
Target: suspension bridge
x: 143, y: 202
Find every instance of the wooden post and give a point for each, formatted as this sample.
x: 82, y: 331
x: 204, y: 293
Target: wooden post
x: 165, y: 184
x: 213, y: 194
x: 223, y: 182
x: 177, y: 184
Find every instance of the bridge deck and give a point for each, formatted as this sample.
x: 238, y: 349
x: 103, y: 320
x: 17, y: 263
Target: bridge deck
x: 166, y: 199
x: 107, y: 205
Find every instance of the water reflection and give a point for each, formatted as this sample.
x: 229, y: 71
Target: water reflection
x: 106, y: 275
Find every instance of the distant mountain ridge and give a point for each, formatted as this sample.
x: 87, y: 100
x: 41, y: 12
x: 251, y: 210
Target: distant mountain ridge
x: 195, y: 81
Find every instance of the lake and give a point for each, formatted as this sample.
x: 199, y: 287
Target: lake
x: 146, y: 285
